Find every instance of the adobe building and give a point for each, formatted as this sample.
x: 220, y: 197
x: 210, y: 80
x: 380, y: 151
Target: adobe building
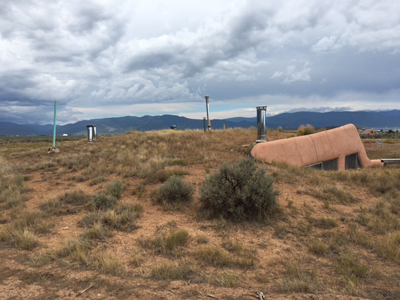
x: 336, y: 149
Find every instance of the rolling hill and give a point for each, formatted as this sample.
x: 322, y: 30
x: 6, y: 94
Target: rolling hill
x: 369, y: 119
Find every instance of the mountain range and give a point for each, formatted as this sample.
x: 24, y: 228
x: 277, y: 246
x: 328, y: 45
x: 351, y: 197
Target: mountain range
x: 369, y: 119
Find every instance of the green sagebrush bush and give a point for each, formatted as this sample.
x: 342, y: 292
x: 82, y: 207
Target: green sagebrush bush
x: 116, y: 188
x: 175, y: 190
x: 239, y: 193
x: 103, y: 201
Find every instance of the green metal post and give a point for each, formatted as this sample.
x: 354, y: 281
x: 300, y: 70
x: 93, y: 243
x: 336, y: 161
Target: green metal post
x: 54, y: 131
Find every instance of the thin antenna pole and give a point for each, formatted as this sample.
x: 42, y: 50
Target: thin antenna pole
x: 54, y: 131
x: 208, y: 112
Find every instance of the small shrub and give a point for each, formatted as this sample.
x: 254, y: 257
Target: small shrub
x: 175, y: 190
x: 178, y: 162
x: 202, y: 239
x: 123, y: 218
x: 76, y: 197
x: 4, y: 236
x: 318, y: 247
x: 116, y: 188
x: 305, y: 130
x: 139, y: 190
x: 325, y: 223
x: 239, y: 193
x: 281, y: 231
x: 103, y: 201
x: 96, y: 232
x: 136, y: 259
x: 97, y: 180
x: 164, y: 174
x: 56, y: 207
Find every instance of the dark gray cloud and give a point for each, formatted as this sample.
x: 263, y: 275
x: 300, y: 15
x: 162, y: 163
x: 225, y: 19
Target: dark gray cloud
x: 92, y: 56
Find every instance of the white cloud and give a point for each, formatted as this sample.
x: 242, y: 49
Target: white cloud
x: 96, y: 54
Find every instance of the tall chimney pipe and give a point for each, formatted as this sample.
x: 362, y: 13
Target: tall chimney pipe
x: 55, y: 126
x: 90, y: 132
x: 94, y: 132
x: 208, y: 112
x: 261, y: 124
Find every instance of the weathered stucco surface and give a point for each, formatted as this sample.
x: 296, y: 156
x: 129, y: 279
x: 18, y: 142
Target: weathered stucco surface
x: 316, y: 148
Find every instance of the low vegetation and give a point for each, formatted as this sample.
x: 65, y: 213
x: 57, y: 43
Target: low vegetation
x: 184, y: 214
x: 305, y: 130
x: 174, y: 192
x: 239, y: 193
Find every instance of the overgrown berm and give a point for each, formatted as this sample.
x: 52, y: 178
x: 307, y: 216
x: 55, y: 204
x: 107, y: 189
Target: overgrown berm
x: 188, y: 215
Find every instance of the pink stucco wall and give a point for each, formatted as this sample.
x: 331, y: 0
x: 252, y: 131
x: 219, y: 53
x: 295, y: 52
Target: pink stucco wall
x: 316, y: 148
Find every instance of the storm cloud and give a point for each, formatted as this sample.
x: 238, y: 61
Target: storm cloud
x: 107, y: 58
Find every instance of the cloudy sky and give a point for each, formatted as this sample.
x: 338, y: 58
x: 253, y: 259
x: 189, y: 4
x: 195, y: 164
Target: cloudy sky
x: 116, y: 58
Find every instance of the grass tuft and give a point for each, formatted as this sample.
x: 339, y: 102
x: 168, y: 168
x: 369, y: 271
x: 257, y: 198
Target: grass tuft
x: 389, y: 246
x: 107, y: 262
x: 172, y: 271
x: 25, y: 239
x: 167, y: 244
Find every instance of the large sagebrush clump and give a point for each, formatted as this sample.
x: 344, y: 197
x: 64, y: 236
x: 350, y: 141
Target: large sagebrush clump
x: 239, y: 193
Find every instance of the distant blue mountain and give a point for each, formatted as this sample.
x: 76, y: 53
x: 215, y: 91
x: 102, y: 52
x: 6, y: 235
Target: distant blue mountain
x: 368, y: 119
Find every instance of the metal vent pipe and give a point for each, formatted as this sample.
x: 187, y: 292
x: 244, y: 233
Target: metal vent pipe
x: 90, y: 132
x: 94, y: 132
x: 261, y: 124
x: 208, y: 112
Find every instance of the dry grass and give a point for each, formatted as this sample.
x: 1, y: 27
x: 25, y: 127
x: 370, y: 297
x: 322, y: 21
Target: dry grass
x: 172, y: 271
x: 298, y: 280
x: 167, y: 243
x: 122, y: 218
x: 107, y: 262
x: 24, y: 239
x: 389, y: 246
x: 337, y: 232
x: 240, y: 256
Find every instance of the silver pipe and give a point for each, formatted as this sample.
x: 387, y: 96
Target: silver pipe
x: 208, y: 112
x: 261, y: 124
x: 90, y: 133
x: 94, y: 132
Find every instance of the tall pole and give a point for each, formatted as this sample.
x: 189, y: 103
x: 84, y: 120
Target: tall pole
x: 54, y: 131
x: 208, y: 112
x: 261, y: 124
